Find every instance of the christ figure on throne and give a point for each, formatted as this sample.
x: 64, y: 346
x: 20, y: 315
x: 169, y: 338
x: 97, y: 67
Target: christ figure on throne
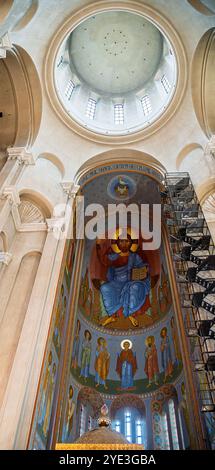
x: 127, y: 287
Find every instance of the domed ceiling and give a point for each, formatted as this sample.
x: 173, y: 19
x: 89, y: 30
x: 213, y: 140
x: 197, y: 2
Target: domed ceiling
x: 116, y: 52
x: 115, y: 73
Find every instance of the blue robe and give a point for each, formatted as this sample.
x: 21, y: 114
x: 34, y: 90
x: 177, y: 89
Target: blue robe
x: 120, y: 290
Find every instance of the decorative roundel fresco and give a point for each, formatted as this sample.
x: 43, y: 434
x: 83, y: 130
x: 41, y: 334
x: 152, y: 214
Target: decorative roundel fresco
x: 121, y: 188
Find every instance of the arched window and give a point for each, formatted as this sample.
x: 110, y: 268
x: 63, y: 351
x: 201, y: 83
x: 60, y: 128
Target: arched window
x: 173, y: 425
x: 83, y: 417
x: 131, y: 423
x: 165, y: 431
x: 90, y: 423
x: 167, y: 424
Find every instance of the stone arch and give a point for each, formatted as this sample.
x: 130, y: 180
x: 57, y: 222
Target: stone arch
x: 21, y: 89
x: 3, y: 242
x: 38, y: 200
x: 127, y: 400
x: 55, y: 160
x: 205, y: 7
x: 27, y: 17
x: 185, y: 152
x: 88, y: 396
x: 203, y: 84
x: 5, y: 10
x: 123, y: 155
x: 204, y: 189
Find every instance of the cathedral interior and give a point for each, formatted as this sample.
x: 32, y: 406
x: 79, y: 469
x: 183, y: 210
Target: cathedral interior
x: 113, y: 102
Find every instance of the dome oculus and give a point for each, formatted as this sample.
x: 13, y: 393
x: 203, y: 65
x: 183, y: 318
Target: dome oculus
x: 115, y: 73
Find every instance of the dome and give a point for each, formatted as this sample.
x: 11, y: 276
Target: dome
x: 115, y: 73
x: 103, y: 435
x: 106, y: 54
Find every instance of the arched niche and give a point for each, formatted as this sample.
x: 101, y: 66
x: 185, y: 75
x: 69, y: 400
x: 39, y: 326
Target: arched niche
x: 40, y: 205
x: 15, y: 15
x: 205, y: 7
x: 203, y: 83
x: 183, y: 154
x: 193, y: 160
x: 123, y: 155
x: 27, y: 16
x: 20, y: 99
x: 88, y: 396
x: 127, y: 401
x: 5, y: 8
x: 54, y: 160
x: 3, y: 241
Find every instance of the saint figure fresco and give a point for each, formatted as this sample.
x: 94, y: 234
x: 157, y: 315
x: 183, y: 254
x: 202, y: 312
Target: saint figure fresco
x: 175, y: 341
x: 166, y: 356
x: 49, y: 387
x: 102, y: 363
x: 151, y: 361
x: 76, y: 346
x: 126, y: 366
x: 126, y: 291
x: 86, y: 355
x: 69, y: 412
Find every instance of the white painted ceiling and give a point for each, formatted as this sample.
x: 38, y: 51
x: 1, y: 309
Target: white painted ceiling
x: 116, y: 52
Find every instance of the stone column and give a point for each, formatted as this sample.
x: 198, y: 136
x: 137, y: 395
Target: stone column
x: 18, y: 158
x: 18, y: 404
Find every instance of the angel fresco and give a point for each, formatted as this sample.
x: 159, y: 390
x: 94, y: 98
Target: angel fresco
x: 102, y: 363
x: 126, y: 366
x: 127, y: 287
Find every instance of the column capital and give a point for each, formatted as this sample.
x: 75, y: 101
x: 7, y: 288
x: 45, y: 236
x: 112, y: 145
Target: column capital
x: 69, y: 188
x: 5, y: 45
x: 210, y: 147
x: 5, y: 257
x: 11, y: 193
x: 55, y: 225
x: 20, y: 154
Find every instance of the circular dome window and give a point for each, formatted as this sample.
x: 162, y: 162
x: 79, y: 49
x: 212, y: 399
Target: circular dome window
x: 115, y: 73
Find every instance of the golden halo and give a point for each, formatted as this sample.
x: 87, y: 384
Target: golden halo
x: 126, y: 341
x: 117, y: 234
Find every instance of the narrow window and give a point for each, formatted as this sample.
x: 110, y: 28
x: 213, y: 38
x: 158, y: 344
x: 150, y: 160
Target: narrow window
x: 173, y: 424
x: 165, y: 433
x: 117, y: 426
x: 90, y: 423
x: 139, y: 431
x: 146, y: 105
x: 166, y: 84
x: 118, y: 114
x: 69, y: 89
x: 128, y: 430
x: 91, y: 108
x: 83, y: 415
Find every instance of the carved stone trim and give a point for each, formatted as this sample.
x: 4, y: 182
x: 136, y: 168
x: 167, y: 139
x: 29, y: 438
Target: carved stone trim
x: 30, y: 213
x: 5, y: 257
x: 20, y: 154
x: 5, y: 45
x: 70, y: 188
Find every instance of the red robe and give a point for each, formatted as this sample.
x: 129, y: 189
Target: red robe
x: 151, y: 364
x: 129, y: 357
